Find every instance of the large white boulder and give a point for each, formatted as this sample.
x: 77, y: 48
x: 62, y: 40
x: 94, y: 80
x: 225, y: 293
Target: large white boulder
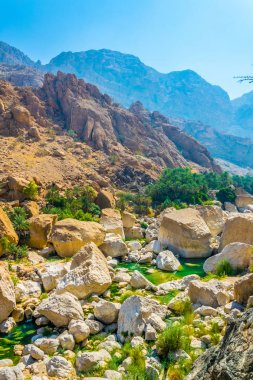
x: 213, y: 293
x: 27, y: 289
x: 237, y: 254
x: 134, y: 314
x: 106, y: 312
x: 114, y: 246
x: 167, y: 261
x: 214, y: 217
x: 88, y: 273
x: 60, y: 309
x: 238, y: 228
x: 243, y: 288
x: 185, y: 232
x: 51, y: 273
x: 86, y: 360
x: 58, y: 367
x: 111, y: 221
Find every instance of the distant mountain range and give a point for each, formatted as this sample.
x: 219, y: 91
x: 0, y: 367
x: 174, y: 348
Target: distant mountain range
x: 181, y: 95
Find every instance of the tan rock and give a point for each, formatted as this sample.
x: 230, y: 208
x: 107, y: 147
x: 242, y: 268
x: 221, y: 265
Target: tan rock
x: 128, y: 219
x: 41, y: 227
x: 237, y: 254
x: 16, y: 187
x: 69, y: 235
x: 7, y: 294
x: 6, y: 230
x: 89, y: 273
x: 31, y: 208
x: 243, y: 199
x: 134, y: 232
x: 243, y: 288
x: 214, y: 217
x: 134, y: 314
x: 60, y: 309
x: 114, y: 246
x: 213, y: 293
x: 111, y: 221
x: 185, y: 232
x: 105, y: 199
x: 106, y: 312
x: 21, y: 115
x: 238, y: 228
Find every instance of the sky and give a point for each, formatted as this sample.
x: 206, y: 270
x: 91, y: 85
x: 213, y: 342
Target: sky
x: 211, y: 37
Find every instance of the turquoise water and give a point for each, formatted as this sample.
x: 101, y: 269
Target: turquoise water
x: 188, y: 266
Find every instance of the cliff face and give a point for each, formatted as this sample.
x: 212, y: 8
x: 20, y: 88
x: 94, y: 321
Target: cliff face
x: 232, y: 359
x: 124, y: 144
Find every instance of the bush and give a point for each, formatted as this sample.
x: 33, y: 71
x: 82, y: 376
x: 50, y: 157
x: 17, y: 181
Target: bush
x: 15, y: 252
x: 19, y: 220
x: 77, y: 203
x: 224, y: 268
x: 227, y: 194
x: 172, y: 339
x: 31, y: 190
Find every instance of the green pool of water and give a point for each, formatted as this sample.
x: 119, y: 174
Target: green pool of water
x: 188, y: 266
x: 20, y: 334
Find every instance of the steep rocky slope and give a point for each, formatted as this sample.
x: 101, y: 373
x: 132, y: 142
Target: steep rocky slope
x: 233, y: 358
x: 21, y: 75
x: 68, y: 131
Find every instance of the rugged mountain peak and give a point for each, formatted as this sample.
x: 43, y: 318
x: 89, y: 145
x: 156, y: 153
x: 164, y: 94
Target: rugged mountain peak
x: 13, y: 56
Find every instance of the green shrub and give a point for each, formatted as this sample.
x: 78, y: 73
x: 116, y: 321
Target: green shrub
x: 19, y: 220
x: 14, y: 252
x: 224, y: 268
x: 31, y: 190
x: 227, y: 194
x: 77, y: 203
x: 172, y: 339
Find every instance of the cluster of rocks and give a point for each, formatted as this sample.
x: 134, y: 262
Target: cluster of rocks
x: 73, y: 296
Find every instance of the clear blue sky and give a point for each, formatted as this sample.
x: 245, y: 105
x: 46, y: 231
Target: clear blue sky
x: 212, y: 37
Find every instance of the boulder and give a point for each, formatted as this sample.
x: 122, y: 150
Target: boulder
x: 21, y: 115
x: 6, y: 230
x: 79, y: 329
x: 167, y: 261
x: 35, y: 352
x: 47, y: 345
x: 69, y: 235
x: 60, y: 309
x: 237, y: 254
x: 86, y: 360
x: 238, y: 228
x: 111, y: 221
x: 40, y: 228
x: 7, y: 294
x: 105, y: 199
x: 185, y: 232
x: 230, y: 207
x: 31, y: 208
x: 128, y: 219
x: 243, y: 288
x: 67, y: 341
x: 243, y: 199
x: 50, y: 274
x: 106, y: 312
x: 16, y: 187
x: 27, y: 289
x: 114, y: 246
x: 213, y: 293
x: 133, y: 245
x: 58, y: 367
x: 134, y: 314
x: 11, y: 373
x: 134, y: 232
x: 214, y: 218
x: 138, y: 281
x: 89, y: 273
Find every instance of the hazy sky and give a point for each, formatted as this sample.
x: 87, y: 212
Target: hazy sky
x: 212, y: 37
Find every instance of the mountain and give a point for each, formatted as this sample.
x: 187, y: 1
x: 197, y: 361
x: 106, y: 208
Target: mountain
x: 21, y: 75
x: 13, y: 56
x: 224, y: 146
x: 243, y: 115
x: 68, y: 131
x: 126, y: 79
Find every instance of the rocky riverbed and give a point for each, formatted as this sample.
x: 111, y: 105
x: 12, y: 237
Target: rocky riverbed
x: 127, y: 296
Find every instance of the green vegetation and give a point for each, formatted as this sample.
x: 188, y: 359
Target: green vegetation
x: 180, y: 187
x: 138, y: 203
x: 77, y: 203
x: 246, y: 182
x: 31, y: 190
x: 173, y: 338
x: 224, y: 268
x: 14, y: 252
x: 19, y: 220
x: 226, y: 194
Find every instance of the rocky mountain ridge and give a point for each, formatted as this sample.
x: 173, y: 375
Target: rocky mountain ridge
x: 69, y: 121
